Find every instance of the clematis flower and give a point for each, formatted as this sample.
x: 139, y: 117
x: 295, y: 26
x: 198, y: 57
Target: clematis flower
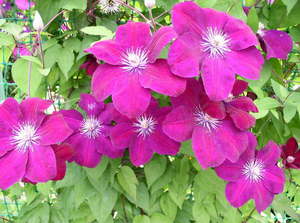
x: 213, y: 140
x: 254, y: 176
x: 214, y: 44
x: 291, y: 154
x: 132, y: 70
x: 26, y: 136
x: 235, y: 106
x: 277, y: 44
x: 21, y: 50
x: 24, y: 4
x: 63, y: 153
x: 143, y: 135
x: 90, y: 138
x: 90, y: 65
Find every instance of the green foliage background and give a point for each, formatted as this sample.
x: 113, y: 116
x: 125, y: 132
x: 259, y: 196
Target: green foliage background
x: 166, y: 190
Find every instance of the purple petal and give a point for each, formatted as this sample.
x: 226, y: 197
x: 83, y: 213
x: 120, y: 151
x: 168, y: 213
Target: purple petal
x: 33, y: 109
x: 242, y: 120
x: 274, y: 179
x: 133, y: 35
x: 6, y: 145
x: 41, y: 166
x: 12, y: 105
x: 104, y: 81
x: 109, y: 114
x: 73, y: 118
x: 249, y: 153
x: 23, y: 4
x: 179, y: 124
x: 218, y: 78
x: 278, y: 44
x: 159, y: 40
x: 247, y: 63
x: 239, y: 192
x: 90, y: 105
x: 263, y: 198
x: 185, y: 55
x: 206, y: 148
x: 108, y: 51
x: 54, y: 130
x: 12, y: 166
x: 239, y: 87
x: 244, y: 103
x: 132, y: 100
x: 107, y: 148
x: 140, y: 151
x: 291, y: 146
x: 230, y: 171
x: 7, y: 119
x: 269, y: 154
x: 122, y: 134
x: 162, y: 144
x: 240, y: 34
x: 159, y: 78
x: 86, y: 153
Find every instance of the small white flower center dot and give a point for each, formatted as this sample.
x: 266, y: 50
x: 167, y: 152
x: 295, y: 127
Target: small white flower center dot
x: 91, y: 127
x: 204, y: 120
x: 109, y: 6
x: 91, y: 106
x: 145, y: 125
x: 215, y: 42
x: 135, y: 60
x: 253, y: 170
x: 290, y: 159
x: 25, y: 136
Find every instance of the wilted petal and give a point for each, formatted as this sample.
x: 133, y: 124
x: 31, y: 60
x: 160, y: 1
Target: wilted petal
x: 269, y: 154
x: 133, y: 35
x: 41, y: 165
x: 159, y: 40
x: 246, y: 63
x: 139, y: 151
x: 239, y: 192
x: 278, y: 44
x: 218, y: 78
x: 89, y: 104
x: 159, y: 78
x: 108, y: 51
x: 179, y: 124
x: 12, y: 166
x: 274, y: 179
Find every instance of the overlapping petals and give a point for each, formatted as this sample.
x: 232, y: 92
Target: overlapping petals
x: 290, y: 154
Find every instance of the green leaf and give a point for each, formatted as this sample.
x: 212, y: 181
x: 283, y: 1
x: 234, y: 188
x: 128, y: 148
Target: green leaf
x: 128, y: 180
x: 267, y: 103
x: 6, y: 39
x: 155, y: 169
x: 294, y: 15
x: 141, y: 219
x: 289, y: 111
x: 65, y: 60
x: 97, y: 30
x: 160, y: 218
x: 75, y: 4
x: 280, y: 91
x: 283, y: 205
x: 200, y: 214
x: 252, y: 19
x: 20, y: 72
x: 168, y: 207
x: 206, y: 3
x: 44, y: 188
x: 32, y: 59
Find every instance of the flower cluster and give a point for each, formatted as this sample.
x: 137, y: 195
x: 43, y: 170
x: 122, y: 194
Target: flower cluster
x: 208, y: 49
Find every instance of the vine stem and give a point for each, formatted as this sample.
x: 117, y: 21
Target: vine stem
x: 52, y: 19
x: 152, y: 19
x: 249, y: 215
x: 29, y: 78
x: 123, y: 204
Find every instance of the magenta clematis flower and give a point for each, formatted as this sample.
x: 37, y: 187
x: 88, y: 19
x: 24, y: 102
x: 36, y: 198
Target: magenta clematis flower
x: 213, y: 140
x: 277, y: 44
x: 90, y: 138
x: 132, y: 68
x: 26, y: 136
x: 144, y: 136
x: 24, y: 4
x: 90, y: 65
x: 291, y: 154
x: 254, y: 176
x: 214, y: 44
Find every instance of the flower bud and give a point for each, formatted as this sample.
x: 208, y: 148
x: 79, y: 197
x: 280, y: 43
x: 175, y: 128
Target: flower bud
x: 38, y: 24
x: 149, y: 3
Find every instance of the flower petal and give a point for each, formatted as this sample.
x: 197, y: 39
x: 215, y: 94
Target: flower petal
x: 263, y: 198
x: 73, y: 118
x: 244, y: 103
x: 291, y: 147
x: 159, y: 40
x: 41, y: 165
x: 107, y: 148
x: 139, y: 151
x: 269, y: 154
x: 54, y: 130
x: 247, y: 63
x: 12, y: 105
x: 239, y: 192
x: 278, y: 44
x: 239, y: 87
x: 5, y: 145
x: 230, y: 171
x: 242, y: 120
x: 89, y: 104
x: 12, y: 166
x: 218, y: 78
x: 133, y: 35
x: 121, y: 135
x: 185, y: 55
x: 132, y: 100
x: 108, y: 51
x: 274, y: 179
x: 179, y: 124
x: 158, y: 77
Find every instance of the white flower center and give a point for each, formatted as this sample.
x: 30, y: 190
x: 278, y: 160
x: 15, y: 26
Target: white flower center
x: 215, y: 42
x: 91, y: 127
x: 135, y: 60
x: 25, y: 136
x: 109, y: 6
x: 253, y: 170
x: 290, y: 159
x: 204, y: 120
x: 91, y: 106
x: 145, y: 125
